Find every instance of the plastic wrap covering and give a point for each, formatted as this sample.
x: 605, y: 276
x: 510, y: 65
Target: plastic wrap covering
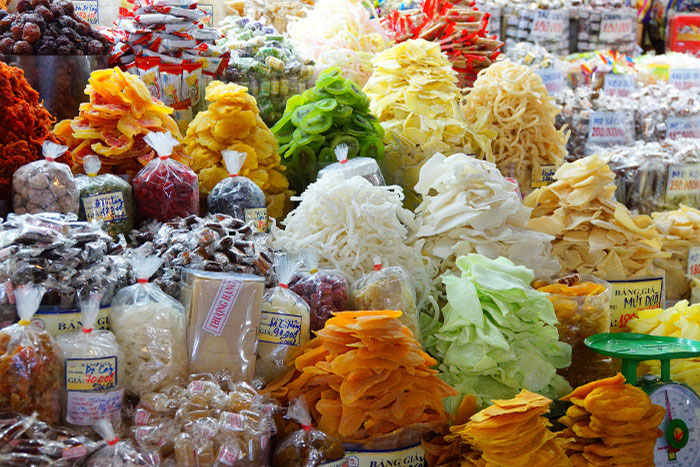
x: 105, y: 198
x: 545, y: 25
x: 92, y: 371
x: 606, y: 28
x: 29, y: 362
x: 347, y: 168
x: 663, y: 111
x: 165, y: 188
x: 213, y: 420
x: 284, y: 323
x: 582, y: 305
x: 576, y: 107
x: 150, y: 327
x: 224, y: 316
x: 117, y: 452
x: 45, y: 185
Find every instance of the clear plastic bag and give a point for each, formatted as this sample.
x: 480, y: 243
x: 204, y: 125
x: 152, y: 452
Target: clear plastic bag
x: 239, y: 196
x: 284, y: 323
x: 29, y: 362
x: 387, y: 288
x: 92, y: 371
x: 326, y: 292
x: 364, y: 167
x: 165, y: 188
x: 150, y: 328
x: 117, y: 452
x: 105, y: 198
x: 308, y: 447
x: 45, y: 185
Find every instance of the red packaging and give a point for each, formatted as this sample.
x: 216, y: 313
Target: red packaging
x: 683, y: 33
x: 165, y: 188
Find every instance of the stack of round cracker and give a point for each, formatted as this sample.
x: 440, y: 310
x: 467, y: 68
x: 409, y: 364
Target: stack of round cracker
x: 611, y: 423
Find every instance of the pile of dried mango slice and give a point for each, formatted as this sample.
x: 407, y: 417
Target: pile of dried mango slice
x: 611, y: 423
x: 233, y: 122
x: 365, y: 378
x: 112, y: 125
x: 332, y: 113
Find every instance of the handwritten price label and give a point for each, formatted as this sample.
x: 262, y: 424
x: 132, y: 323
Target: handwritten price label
x: 618, y: 26
x: 683, y: 180
x: 549, y: 24
x: 87, y: 10
x: 553, y: 79
x: 694, y: 261
x: 543, y: 177
x: 619, y: 85
x: 608, y: 128
x: 684, y: 78
x: 683, y: 127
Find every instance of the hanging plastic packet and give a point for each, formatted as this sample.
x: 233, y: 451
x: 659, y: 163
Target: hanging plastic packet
x: 165, y: 188
x: 105, y: 198
x: 150, y: 328
x: 326, y: 292
x: 45, y: 185
x: 117, y: 452
x: 29, y: 359
x: 93, y: 372
x: 307, y: 447
x: 284, y: 323
x: 239, y: 196
x: 365, y: 167
x: 387, y: 288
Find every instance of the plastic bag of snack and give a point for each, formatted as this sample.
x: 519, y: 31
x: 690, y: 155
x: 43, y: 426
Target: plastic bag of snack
x: 326, y: 292
x: 45, y: 185
x: 307, y: 447
x: 165, y: 188
x: 116, y: 452
x: 387, y: 288
x: 365, y: 167
x: 284, y: 323
x: 29, y: 362
x: 92, y: 371
x: 150, y: 328
x: 239, y: 196
x: 105, y: 198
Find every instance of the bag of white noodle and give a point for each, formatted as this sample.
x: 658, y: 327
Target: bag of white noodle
x: 117, y: 452
x: 92, y: 371
x: 284, y: 323
x: 387, y: 288
x: 150, y: 327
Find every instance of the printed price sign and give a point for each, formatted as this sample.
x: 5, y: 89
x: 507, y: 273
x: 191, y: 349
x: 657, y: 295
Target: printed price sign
x: 694, y: 261
x: 631, y: 296
x: 91, y: 374
x: 87, y: 11
x: 683, y: 127
x: 553, y: 79
x: 619, y: 85
x: 617, y: 26
x: 608, y: 128
x: 543, y: 177
x: 549, y: 24
x: 684, y: 78
x: 683, y: 180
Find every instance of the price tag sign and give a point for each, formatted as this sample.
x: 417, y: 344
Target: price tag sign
x: 553, y: 79
x: 87, y: 10
x: 684, y: 78
x: 619, y: 85
x: 683, y: 127
x: 606, y: 128
x: 683, y: 180
x: 631, y: 296
x: 543, y: 177
x: 694, y: 261
x: 616, y: 26
x: 549, y: 24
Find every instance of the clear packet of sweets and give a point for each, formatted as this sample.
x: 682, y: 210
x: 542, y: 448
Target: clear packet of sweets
x: 117, y: 452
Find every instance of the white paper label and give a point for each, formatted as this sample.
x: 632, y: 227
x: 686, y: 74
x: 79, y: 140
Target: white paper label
x: 233, y: 421
x: 694, y: 261
x: 105, y: 207
x: 553, y: 79
x: 619, y: 85
x: 229, y: 455
x: 683, y: 180
x: 607, y: 128
x: 616, y: 26
x: 222, y: 306
x: 684, y: 78
x: 86, y: 408
x: 683, y: 127
x: 87, y: 10
x: 413, y: 456
x: 549, y: 24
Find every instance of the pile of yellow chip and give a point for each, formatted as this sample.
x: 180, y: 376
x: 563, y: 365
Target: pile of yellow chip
x: 680, y: 230
x: 233, y: 121
x: 594, y: 233
x: 413, y: 94
x: 681, y: 320
x: 611, y: 423
x: 113, y: 123
x: 510, y: 433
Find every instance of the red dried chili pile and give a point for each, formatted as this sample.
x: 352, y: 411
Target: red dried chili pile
x: 25, y: 125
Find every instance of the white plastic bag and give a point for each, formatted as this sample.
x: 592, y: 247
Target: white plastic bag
x: 117, y: 452
x: 365, y: 167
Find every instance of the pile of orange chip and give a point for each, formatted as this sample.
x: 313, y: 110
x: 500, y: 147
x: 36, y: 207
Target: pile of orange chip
x: 611, y: 423
x: 366, y: 379
x: 233, y: 122
x: 112, y: 125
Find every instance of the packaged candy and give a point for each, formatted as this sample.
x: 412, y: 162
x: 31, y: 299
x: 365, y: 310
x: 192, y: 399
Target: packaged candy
x: 387, y: 288
x: 165, y: 189
x: 92, y: 371
x: 29, y: 362
x: 284, y: 324
x: 238, y: 196
x: 365, y: 167
x: 307, y: 447
x: 105, y: 198
x: 150, y: 328
x: 45, y: 185
x: 326, y: 292
x: 117, y: 452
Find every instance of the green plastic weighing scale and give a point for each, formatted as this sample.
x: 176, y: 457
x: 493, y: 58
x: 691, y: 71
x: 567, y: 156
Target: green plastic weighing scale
x: 680, y: 444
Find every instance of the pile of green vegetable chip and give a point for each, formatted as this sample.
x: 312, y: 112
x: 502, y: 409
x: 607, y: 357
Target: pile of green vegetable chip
x: 314, y: 123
